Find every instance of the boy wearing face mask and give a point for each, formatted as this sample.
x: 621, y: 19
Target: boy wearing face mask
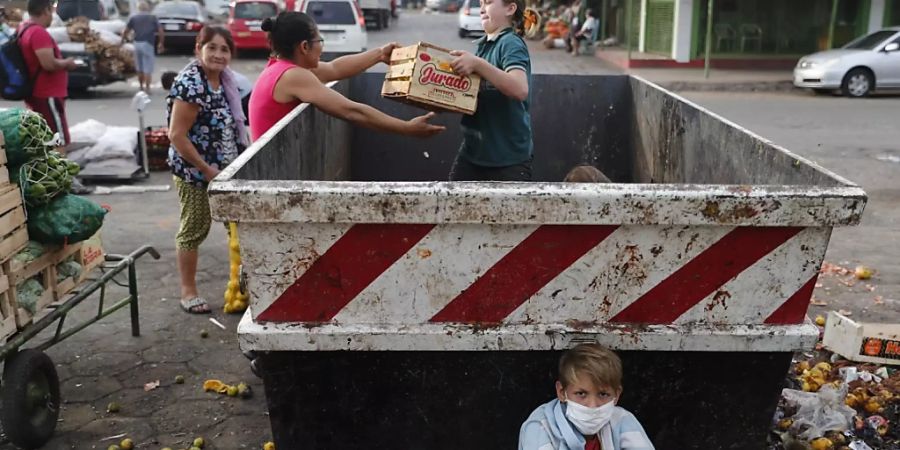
x: 584, y: 416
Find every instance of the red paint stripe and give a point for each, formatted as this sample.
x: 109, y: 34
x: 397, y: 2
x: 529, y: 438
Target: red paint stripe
x: 794, y: 310
x: 536, y: 261
x: 694, y: 281
x: 362, y: 254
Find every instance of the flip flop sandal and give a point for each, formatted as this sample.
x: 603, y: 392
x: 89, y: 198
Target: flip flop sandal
x: 196, y: 305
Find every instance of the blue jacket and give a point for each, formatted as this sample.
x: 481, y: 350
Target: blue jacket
x: 548, y: 429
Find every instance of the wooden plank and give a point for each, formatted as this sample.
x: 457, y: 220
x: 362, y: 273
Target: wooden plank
x: 404, y: 70
x: 13, y: 243
x: 4, y: 175
x: 10, y: 197
x: 12, y: 220
x: 3, y: 159
x: 393, y: 88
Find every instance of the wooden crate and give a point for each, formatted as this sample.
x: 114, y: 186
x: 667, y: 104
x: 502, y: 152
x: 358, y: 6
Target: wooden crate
x: 7, y: 311
x: 13, y: 232
x: 89, y: 254
x: 43, y: 269
x: 421, y: 74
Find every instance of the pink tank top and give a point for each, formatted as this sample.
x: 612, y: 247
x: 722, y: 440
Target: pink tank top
x: 264, y: 110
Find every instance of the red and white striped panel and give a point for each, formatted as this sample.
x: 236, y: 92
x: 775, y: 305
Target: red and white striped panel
x: 530, y: 274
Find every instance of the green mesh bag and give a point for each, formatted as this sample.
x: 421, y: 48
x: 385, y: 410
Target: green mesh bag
x: 65, y: 220
x: 26, y: 133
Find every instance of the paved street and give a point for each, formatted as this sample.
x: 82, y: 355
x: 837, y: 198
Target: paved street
x: 855, y: 138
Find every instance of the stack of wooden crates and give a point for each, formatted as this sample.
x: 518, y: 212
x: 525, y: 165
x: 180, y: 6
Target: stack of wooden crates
x: 14, y: 232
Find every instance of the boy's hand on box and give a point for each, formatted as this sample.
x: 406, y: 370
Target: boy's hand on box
x: 387, y: 50
x: 420, y: 127
x: 465, y: 63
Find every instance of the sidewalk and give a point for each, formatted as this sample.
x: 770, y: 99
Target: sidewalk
x: 677, y: 79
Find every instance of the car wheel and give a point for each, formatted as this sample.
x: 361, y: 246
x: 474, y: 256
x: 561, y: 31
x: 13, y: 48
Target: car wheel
x: 463, y: 33
x: 857, y: 83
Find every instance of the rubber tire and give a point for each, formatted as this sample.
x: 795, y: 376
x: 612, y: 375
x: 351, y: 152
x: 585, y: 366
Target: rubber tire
x: 21, y: 369
x: 463, y: 33
x: 386, y: 19
x: 845, y: 84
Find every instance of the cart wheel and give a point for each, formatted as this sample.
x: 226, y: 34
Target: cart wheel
x: 30, y: 399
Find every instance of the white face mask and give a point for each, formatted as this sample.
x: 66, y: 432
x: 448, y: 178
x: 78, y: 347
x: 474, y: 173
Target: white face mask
x: 589, y: 420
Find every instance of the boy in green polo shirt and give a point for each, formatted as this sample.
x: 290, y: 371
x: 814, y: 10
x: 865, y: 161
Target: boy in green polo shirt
x: 497, y: 144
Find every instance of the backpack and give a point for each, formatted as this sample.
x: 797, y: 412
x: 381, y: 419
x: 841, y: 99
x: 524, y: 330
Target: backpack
x: 15, y: 80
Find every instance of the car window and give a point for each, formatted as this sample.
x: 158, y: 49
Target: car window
x: 474, y: 3
x: 870, y: 41
x: 180, y: 9
x: 331, y: 13
x: 254, y: 10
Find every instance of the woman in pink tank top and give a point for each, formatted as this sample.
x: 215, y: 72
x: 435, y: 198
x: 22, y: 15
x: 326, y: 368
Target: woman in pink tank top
x: 295, y: 75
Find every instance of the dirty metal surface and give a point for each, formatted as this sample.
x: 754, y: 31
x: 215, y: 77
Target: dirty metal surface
x: 526, y: 274
x: 534, y: 203
x: 457, y: 337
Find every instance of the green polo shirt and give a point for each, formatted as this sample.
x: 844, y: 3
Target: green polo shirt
x: 499, y: 133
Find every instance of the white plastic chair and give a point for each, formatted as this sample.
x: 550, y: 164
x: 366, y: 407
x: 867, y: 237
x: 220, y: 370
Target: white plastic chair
x: 751, y: 33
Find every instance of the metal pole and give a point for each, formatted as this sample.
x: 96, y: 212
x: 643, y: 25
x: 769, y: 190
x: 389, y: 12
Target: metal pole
x: 133, y: 294
x: 628, y: 24
x: 834, y: 10
x: 709, y: 27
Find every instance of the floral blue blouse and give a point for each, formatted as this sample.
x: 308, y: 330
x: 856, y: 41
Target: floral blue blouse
x: 213, y: 133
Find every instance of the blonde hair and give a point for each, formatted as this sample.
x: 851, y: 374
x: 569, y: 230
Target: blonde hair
x: 600, y: 364
x: 586, y: 174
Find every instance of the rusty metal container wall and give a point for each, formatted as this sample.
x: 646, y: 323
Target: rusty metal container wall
x: 568, y: 130
x: 675, y: 141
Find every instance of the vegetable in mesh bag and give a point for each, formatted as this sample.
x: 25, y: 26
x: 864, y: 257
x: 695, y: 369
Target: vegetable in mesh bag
x: 67, y: 269
x: 65, y: 220
x: 44, y: 179
x: 31, y: 252
x: 28, y: 293
x: 26, y: 133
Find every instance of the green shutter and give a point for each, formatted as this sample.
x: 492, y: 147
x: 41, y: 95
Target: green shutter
x: 660, y: 25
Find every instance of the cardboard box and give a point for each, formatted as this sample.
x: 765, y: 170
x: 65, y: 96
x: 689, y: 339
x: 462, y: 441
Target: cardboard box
x: 862, y: 342
x: 421, y: 74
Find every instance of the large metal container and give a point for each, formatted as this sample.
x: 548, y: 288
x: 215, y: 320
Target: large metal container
x: 393, y: 309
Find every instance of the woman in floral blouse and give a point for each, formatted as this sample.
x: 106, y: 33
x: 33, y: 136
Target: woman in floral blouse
x: 206, y: 129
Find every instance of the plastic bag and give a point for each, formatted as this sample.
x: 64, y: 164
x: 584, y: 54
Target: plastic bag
x: 90, y: 131
x: 117, y: 142
x: 65, y: 220
x: 819, y: 412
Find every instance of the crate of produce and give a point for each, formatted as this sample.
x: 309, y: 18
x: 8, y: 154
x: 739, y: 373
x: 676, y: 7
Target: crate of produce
x: 32, y: 283
x: 421, y: 74
x: 7, y: 312
x: 75, y: 263
x: 157, y: 139
x: 13, y: 233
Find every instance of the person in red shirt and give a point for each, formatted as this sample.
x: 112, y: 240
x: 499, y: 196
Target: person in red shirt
x: 47, y: 67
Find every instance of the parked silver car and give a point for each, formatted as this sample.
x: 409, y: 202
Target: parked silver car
x: 869, y: 63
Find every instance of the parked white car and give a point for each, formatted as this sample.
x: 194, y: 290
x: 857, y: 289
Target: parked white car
x: 869, y: 63
x: 341, y: 24
x: 470, y: 18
